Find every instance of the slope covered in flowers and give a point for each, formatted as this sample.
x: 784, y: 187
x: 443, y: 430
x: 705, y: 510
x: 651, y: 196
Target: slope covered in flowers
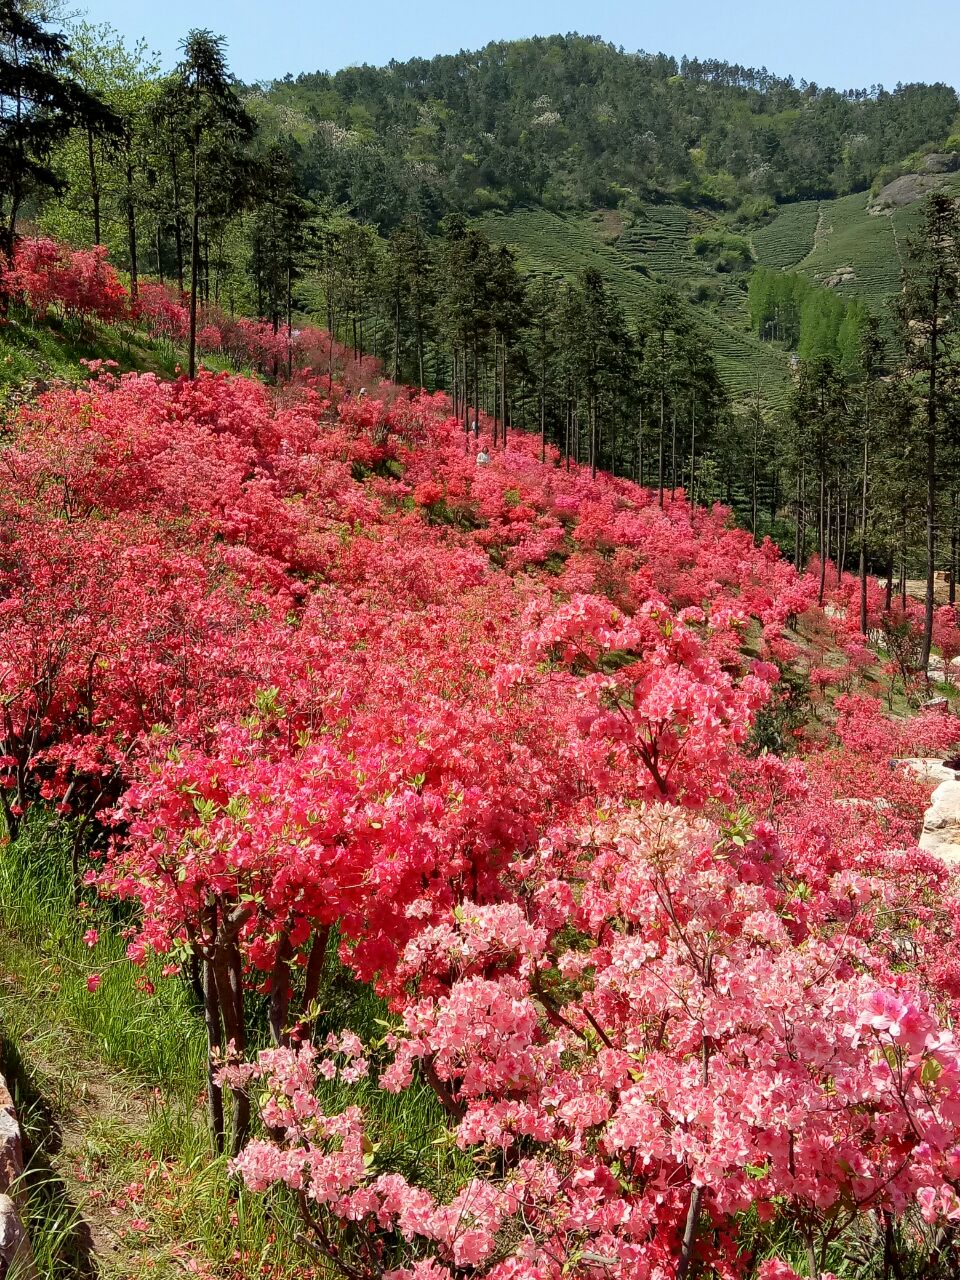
x: 313, y: 677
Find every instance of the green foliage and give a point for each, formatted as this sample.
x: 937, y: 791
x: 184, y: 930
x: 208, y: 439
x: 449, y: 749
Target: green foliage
x: 158, y: 1037
x: 777, y: 724
x: 653, y: 248
x: 571, y: 122
x: 788, y: 238
x: 727, y: 252
x: 42, y: 103
x: 786, y: 307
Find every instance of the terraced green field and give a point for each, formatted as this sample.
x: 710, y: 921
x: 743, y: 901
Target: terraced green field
x: 858, y: 253
x: 654, y: 250
x: 838, y: 243
x: 659, y: 239
x: 783, y: 242
x: 842, y: 244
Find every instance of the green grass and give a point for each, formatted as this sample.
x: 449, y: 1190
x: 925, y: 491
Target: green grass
x: 822, y: 239
x: 659, y: 239
x: 870, y: 246
x: 831, y: 238
x: 650, y: 252
x: 158, y: 1038
x: 35, y: 354
x: 131, y: 1065
x: 53, y: 350
x: 789, y: 237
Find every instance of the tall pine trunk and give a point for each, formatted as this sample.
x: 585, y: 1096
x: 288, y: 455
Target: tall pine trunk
x: 131, y: 211
x: 94, y: 185
x: 194, y: 262
x: 863, y: 535
x: 931, y: 481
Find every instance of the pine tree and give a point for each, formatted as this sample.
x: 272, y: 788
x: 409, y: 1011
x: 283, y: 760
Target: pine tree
x: 41, y: 103
x: 217, y: 126
x: 929, y: 309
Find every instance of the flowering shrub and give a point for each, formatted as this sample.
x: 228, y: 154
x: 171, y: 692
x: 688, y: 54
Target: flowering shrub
x: 310, y: 673
x: 81, y: 282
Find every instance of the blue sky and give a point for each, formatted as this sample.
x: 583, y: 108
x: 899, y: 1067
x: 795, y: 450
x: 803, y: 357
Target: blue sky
x: 847, y: 43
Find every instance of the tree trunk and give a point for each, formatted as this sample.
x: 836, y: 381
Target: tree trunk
x: 692, y: 496
x: 673, y: 452
x: 194, y: 273
x: 888, y: 601
x: 177, y: 227
x: 592, y: 412
x: 279, y: 1008
x: 931, y: 482
x: 822, y: 533
x: 863, y: 536
x: 94, y: 185
x: 660, y: 463
x: 503, y: 389
x: 131, y: 227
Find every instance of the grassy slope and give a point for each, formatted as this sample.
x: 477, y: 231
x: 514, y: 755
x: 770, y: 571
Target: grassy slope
x: 109, y: 1086
x: 654, y: 250
x: 32, y: 356
x: 823, y: 239
x: 841, y: 237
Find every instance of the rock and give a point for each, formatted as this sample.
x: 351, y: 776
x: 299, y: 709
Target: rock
x: 935, y: 704
x: 904, y: 191
x: 11, y: 1144
x: 941, y: 670
x: 842, y: 276
x: 863, y: 802
x: 941, y: 823
x: 941, y: 162
x: 16, y: 1256
x: 928, y: 770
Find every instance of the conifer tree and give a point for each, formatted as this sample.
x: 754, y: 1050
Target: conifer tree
x: 929, y: 309
x: 41, y: 103
x: 217, y: 125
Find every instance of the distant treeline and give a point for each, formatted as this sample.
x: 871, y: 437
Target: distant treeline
x: 572, y: 122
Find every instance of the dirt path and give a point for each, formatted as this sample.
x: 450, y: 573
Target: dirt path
x: 821, y: 230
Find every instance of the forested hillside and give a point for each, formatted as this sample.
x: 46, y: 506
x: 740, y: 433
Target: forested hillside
x: 572, y: 122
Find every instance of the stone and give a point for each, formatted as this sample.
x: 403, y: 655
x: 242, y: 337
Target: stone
x: 904, y: 191
x: 940, y: 670
x: 840, y: 277
x: 11, y: 1143
x: 928, y: 770
x: 934, y: 704
x: 941, y: 823
x: 16, y: 1256
x: 941, y: 162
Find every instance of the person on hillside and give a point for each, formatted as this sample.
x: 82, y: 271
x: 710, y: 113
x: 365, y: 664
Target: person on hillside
x: 483, y: 457
x: 475, y: 429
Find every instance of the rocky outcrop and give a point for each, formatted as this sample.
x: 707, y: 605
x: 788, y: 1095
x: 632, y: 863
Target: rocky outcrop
x: 16, y: 1256
x: 941, y: 162
x: 840, y: 277
x: 934, y: 771
x: 940, y: 670
x: 941, y: 823
x: 905, y: 190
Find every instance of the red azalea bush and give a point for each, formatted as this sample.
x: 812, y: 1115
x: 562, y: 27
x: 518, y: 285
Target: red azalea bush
x: 503, y: 733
